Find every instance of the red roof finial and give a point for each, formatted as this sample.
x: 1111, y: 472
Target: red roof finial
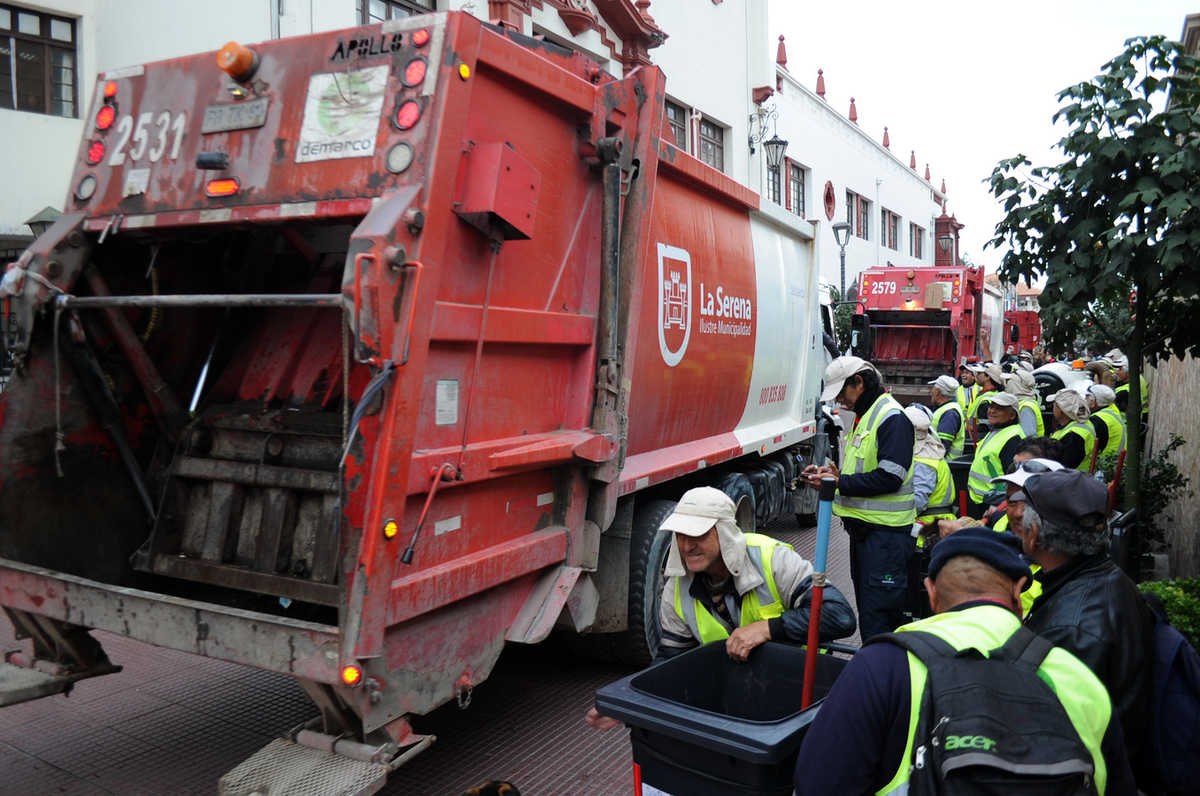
x: 926, y: 172
x: 781, y: 53
x: 887, y: 142
x: 943, y: 186
x: 643, y: 7
x: 821, y: 83
x: 853, y: 111
x: 912, y: 160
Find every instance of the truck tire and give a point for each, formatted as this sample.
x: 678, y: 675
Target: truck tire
x: 648, y: 548
x: 738, y: 487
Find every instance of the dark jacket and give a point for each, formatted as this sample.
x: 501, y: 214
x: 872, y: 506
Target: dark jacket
x: 1092, y: 609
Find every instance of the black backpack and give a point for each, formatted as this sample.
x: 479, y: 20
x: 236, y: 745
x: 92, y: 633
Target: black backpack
x: 991, y: 725
x: 1171, y: 756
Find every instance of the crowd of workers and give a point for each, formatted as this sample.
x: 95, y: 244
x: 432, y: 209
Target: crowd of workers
x: 1030, y: 551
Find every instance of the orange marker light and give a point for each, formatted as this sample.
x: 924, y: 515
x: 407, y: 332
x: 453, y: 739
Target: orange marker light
x: 224, y: 187
x: 464, y: 71
x: 390, y: 529
x: 351, y: 674
x: 237, y: 61
x: 95, y: 152
x: 110, y: 89
x: 408, y: 114
x: 105, y: 117
x: 414, y: 73
x: 421, y: 37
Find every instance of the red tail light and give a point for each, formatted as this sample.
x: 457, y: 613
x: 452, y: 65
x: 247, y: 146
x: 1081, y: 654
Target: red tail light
x: 105, y: 117
x: 414, y: 73
x: 223, y: 187
x: 95, y: 152
x: 421, y: 37
x: 408, y: 114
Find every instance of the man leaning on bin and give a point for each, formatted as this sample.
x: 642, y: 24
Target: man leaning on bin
x: 738, y: 588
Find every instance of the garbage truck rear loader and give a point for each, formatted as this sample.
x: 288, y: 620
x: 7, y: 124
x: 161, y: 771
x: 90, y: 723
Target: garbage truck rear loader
x: 374, y: 350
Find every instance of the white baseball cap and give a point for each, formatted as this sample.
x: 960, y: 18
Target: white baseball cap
x: 698, y: 511
x: 839, y: 370
x: 1026, y: 469
x: 947, y: 385
x: 1005, y: 399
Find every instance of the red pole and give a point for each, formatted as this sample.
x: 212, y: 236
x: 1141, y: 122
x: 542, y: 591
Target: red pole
x: 814, y: 635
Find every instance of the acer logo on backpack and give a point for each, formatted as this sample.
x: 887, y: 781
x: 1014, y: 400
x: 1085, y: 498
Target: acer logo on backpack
x: 969, y: 742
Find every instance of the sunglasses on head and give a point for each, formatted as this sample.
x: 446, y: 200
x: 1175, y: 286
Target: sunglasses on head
x: 1032, y: 467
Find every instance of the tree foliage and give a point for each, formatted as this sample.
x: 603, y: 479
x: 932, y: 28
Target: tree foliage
x: 1119, y: 215
x: 1121, y: 210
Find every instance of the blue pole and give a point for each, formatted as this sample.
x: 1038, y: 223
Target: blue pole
x: 821, y: 555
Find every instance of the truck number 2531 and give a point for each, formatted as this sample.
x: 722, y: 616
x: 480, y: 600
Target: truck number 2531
x: 151, y: 131
x: 883, y: 287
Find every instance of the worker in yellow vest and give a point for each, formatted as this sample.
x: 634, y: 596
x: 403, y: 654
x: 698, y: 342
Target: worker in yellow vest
x: 1075, y: 432
x: 1014, y: 510
x: 866, y: 736
x: 994, y: 453
x: 1029, y: 406
x: 949, y: 419
x: 1107, y: 421
x: 875, y: 492
x: 1121, y: 371
x: 723, y: 584
x: 990, y: 379
x: 967, y: 390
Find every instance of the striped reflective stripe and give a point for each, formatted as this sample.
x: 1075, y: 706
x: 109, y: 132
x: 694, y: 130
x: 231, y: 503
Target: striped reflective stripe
x: 876, y: 504
x: 763, y: 590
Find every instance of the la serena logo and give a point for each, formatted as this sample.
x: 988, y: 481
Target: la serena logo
x: 721, y: 312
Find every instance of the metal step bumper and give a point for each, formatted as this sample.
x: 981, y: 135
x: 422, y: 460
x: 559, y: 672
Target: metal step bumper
x: 291, y: 646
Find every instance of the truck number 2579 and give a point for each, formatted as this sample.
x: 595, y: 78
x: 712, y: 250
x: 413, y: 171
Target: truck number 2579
x: 883, y: 287
x: 151, y: 130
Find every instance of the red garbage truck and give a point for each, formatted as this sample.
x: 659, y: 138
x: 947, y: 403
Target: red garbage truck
x: 916, y: 324
x: 359, y: 355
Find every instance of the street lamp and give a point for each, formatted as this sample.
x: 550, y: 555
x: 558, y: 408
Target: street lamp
x: 945, y: 242
x: 841, y: 234
x: 774, y: 148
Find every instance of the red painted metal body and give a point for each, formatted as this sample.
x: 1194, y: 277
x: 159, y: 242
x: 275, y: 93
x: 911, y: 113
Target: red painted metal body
x: 1028, y: 325
x: 923, y: 322
x: 471, y: 289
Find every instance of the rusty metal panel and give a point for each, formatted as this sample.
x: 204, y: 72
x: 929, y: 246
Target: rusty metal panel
x: 259, y: 475
x: 325, y: 549
x: 195, y: 518
x: 306, y: 649
x: 304, y: 539
x: 247, y: 531
x: 221, y: 496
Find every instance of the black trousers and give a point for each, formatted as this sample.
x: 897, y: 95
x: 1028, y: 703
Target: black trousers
x: 879, y: 567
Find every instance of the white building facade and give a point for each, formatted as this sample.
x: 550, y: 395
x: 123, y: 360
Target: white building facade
x: 719, y: 57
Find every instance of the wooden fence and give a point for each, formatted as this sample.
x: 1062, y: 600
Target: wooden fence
x: 1175, y: 408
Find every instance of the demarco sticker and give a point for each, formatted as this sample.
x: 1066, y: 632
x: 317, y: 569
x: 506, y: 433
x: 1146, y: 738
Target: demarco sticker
x: 341, y: 115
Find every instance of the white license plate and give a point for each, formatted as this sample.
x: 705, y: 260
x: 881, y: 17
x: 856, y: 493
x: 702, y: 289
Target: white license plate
x: 235, y: 116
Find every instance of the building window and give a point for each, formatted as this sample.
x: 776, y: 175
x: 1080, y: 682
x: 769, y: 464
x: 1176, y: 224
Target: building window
x: 916, y: 241
x: 796, y: 175
x: 889, y: 229
x: 37, y: 62
x: 773, y: 185
x: 372, y: 11
x: 712, y: 144
x: 677, y: 117
x: 861, y: 221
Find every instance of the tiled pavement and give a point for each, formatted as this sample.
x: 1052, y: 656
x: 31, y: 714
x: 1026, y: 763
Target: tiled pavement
x: 173, y: 723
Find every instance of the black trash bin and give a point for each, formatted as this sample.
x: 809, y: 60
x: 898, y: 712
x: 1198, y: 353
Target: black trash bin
x: 704, y: 724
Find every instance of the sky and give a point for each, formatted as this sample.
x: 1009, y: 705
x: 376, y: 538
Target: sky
x: 965, y: 84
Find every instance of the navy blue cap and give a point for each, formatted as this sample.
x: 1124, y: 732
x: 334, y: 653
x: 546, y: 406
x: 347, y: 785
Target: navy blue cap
x: 1001, y: 551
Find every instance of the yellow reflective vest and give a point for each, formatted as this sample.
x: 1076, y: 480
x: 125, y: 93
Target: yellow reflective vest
x: 1115, y: 423
x: 1088, y: 434
x: 953, y: 444
x: 862, y: 455
x: 1031, y: 403
x: 986, y: 464
x: 761, y: 603
x: 988, y: 627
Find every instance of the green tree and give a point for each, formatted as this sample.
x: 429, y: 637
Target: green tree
x: 1119, y: 215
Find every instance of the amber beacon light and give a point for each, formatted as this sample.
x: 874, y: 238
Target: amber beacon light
x: 237, y: 61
